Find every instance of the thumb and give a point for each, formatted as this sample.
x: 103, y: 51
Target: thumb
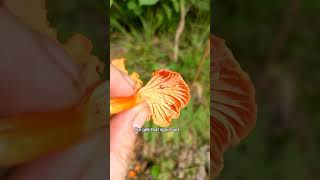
x: 120, y: 84
x: 123, y: 136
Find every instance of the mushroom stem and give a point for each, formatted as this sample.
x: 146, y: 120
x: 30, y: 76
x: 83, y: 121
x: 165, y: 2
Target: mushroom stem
x: 120, y: 104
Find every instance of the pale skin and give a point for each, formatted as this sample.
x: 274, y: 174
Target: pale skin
x: 37, y: 75
x: 122, y: 136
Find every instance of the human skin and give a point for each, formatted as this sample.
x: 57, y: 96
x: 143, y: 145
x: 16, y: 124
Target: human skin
x: 37, y: 75
x: 32, y: 64
x: 122, y: 135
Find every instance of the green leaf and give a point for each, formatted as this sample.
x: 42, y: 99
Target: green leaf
x: 147, y: 2
x: 176, y: 5
x: 111, y: 1
x: 168, y: 11
x: 155, y: 171
x: 132, y: 5
x: 160, y: 18
x: 202, y: 5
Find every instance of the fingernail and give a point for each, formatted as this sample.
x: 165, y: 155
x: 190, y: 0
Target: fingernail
x: 128, y: 79
x: 139, y: 120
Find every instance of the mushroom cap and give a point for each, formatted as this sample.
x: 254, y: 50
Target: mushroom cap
x: 166, y: 94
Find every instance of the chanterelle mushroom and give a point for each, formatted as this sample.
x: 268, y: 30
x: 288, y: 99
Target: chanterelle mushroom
x: 166, y: 94
x: 233, y: 107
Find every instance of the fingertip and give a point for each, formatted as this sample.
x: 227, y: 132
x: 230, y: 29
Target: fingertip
x: 121, y: 85
x: 126, y: 120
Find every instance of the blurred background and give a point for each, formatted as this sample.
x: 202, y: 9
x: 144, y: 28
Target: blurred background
x: 81, y: 16
x: 170, y: 34
x: 68, y: 18
x: 277, y: 43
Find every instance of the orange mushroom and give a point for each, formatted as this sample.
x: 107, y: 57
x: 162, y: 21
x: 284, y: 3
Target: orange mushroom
x: 166, y: 94
x: 233, y: 107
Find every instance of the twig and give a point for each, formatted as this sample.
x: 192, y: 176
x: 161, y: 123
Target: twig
x: 183, y: 13
x: 284, y: 31
x: 203, y: 58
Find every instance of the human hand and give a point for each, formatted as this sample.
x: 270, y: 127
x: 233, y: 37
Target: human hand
x: 122, y: 135
x: 37, y: 75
